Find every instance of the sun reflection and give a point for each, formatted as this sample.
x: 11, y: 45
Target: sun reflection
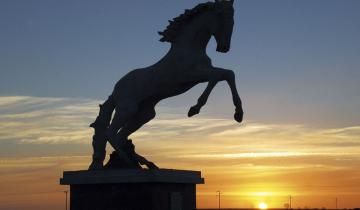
x: 263, y: 205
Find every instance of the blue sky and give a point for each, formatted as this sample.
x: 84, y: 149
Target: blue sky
x: 299, y: 58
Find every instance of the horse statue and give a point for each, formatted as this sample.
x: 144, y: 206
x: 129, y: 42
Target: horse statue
x: 185, y: 65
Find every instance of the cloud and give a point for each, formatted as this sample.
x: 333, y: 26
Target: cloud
x: 36, y: 120
x: 239, y: 159
x: 32, y: 125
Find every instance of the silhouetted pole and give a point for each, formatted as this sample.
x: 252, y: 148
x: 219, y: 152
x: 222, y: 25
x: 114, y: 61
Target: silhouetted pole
x: 66, y: 192
x: 336, y: 203
x: 290, y: 201
x: 219, y: 193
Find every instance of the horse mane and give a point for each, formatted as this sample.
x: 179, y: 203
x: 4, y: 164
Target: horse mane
x: 176, y: 24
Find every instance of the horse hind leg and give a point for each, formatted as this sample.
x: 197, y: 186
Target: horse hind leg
x: 145, y: 114
x: 100, y: 125
x: 123, y: 113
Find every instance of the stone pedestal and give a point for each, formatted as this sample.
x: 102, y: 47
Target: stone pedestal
x: 132, y: 189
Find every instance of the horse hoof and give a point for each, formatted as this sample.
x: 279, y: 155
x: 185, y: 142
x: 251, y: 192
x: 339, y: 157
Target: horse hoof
x: 238, y: 116
x: 193, y: 111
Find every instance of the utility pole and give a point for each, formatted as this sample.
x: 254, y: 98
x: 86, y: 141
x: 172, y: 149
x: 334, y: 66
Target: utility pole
x: 336, y: 203
x: 219, y: 194
x: 290, y: 201
x: 66, y: 202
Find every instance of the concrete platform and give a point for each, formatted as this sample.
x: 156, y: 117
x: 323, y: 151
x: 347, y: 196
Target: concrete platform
x: 131, y: 176
x: 132, y: 189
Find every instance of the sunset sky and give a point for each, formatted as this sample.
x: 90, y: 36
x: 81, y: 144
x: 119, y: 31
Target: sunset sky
x: 297, y: 65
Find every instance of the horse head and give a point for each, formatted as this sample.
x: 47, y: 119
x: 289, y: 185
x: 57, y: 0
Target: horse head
x: 223, y: 26
x: 217, y: 16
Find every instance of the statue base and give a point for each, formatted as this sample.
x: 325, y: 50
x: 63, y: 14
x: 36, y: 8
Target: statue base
x: 132, y: 189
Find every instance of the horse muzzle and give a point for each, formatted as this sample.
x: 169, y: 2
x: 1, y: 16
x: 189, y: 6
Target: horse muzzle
x: 223, y: 48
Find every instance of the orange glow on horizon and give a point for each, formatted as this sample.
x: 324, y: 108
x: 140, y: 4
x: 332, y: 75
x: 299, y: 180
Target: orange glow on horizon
x: 250, y: 164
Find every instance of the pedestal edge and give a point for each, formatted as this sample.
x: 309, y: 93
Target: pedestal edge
x: 123, y: 176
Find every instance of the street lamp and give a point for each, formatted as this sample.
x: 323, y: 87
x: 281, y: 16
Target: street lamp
x: 219, y: 194
x: 66, y: 192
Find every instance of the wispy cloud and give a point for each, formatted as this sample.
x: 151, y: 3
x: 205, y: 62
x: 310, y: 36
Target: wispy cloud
x: 45, y: 120
x: 240, y: 159
x: 34, y: 120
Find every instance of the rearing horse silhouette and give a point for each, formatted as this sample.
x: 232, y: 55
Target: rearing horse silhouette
x: 184, y: 66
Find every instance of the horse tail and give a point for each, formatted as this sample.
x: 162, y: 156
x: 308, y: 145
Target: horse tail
x: 105, y: 113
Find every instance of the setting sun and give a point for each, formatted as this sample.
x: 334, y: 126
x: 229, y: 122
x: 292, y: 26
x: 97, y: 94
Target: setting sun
x: 263, y: 206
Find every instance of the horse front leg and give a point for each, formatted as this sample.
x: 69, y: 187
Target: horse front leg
x: 229, y: 77
x: 214, y: 76
x: 202, y: 99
